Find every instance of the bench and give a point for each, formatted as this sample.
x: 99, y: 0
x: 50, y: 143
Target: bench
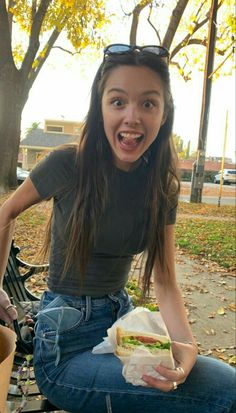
x: 15, y: 284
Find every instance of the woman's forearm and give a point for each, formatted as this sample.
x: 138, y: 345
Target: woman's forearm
x: 7, y: 226
x: 173, y: 312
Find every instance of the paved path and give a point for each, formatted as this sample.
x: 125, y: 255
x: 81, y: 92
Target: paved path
x: 209, y: 295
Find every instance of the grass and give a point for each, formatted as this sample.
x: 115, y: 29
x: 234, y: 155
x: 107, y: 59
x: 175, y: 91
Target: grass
x: 209, y: 239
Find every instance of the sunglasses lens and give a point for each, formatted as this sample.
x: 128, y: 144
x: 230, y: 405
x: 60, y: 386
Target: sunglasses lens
x: 124, y: 48
x: 117, y: 48
x: 156, y: 50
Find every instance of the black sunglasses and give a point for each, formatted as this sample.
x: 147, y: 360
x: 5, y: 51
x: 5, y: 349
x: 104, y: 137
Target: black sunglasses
x: 118, y: 48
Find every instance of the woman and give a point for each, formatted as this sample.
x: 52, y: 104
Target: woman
x: 115, y: 195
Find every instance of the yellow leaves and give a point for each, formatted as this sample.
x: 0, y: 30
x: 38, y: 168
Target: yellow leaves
x: 221, y: 311
x: 35, y: 64
x: 18, y: 53
x: 191, y: 28
x: 181, y: 71
x: 210, y: 332
x: 192, y: 321
x: 232, y: 307
x: 82, y: 20
x: 232, y: 360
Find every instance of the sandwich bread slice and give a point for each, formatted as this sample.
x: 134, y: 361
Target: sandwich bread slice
x: 128, y: 341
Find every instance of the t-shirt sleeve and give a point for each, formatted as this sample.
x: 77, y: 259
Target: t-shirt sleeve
x: 55, y: 173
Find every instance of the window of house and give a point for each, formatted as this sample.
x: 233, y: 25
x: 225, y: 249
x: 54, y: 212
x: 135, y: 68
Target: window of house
x: 57, y: 129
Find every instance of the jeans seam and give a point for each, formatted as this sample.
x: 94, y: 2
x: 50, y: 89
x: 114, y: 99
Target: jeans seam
x: 191, y: 399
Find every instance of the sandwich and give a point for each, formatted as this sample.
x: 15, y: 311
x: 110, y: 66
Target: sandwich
x: 128, y: 341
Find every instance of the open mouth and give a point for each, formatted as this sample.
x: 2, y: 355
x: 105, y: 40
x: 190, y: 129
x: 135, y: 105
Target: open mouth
x: 127, y: 137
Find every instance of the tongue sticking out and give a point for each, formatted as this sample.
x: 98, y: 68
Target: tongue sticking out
x: 130, y: 141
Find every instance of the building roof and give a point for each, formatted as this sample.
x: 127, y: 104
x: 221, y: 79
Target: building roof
x: 39, y: 139
x: 187, y: 164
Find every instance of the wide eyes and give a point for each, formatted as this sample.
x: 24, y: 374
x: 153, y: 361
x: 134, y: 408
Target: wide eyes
x: 147, y: 104
x: 117, y: 102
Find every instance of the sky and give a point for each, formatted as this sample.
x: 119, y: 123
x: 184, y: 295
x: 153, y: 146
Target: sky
x: 62, y: 91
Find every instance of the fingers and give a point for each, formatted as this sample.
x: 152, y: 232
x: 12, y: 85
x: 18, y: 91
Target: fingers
x: 163, y: 385
x: 178, y: 375
x: 172, y: 378
x: 8, y: 311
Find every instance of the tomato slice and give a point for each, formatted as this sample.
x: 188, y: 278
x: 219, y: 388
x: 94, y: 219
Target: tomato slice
x: 147, y: 339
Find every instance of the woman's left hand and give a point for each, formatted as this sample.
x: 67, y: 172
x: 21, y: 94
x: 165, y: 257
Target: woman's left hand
x: 185, y: 357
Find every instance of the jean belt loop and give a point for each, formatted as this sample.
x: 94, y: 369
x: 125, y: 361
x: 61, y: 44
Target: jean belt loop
x: 88, y: 308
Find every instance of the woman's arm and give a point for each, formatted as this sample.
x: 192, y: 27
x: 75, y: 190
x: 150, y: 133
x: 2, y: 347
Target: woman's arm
x: 25, y: 196
x: 173, y: 312
x: 169, y: 296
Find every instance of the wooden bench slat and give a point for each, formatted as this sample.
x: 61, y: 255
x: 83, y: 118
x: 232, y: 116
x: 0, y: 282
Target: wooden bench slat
x: 34, y: 406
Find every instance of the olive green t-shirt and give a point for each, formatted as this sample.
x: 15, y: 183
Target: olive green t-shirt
x: 121, y: 232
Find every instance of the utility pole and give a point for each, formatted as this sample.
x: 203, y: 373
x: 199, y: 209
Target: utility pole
x: 198, y: 166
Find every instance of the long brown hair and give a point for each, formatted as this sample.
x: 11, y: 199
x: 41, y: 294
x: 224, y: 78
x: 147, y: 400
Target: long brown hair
x: 94, y: 162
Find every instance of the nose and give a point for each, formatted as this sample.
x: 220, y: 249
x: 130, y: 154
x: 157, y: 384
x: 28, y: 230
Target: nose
x: 132, y: 115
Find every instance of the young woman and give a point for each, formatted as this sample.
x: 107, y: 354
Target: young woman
x: 115, y: 195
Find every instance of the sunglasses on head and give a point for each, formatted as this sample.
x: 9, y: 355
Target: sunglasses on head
x: 126, y: 48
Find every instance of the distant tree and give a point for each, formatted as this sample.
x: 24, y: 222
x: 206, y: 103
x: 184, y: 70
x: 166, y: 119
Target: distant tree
x: 182, y: 150
x: 38, y: 24
x: 33, y: 126
x: 186, y: 34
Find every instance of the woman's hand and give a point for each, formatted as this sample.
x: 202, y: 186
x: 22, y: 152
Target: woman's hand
x: 8, y: 312
x: 185, y: 356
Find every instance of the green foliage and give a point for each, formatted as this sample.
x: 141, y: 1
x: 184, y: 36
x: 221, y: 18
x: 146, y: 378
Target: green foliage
x: 182, y: 150
x: 135, y: 292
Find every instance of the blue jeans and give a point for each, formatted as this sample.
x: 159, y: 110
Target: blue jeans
x: 77, y: 381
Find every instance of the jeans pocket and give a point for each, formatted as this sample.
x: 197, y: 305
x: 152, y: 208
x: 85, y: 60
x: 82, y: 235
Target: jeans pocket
x: 58, y: 317
x: 57, y: 329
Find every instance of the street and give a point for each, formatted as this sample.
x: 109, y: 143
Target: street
x: 211, y: 193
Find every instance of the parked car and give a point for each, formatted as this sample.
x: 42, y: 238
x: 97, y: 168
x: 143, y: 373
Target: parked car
x: 228, y: 177
x: 21, y: 175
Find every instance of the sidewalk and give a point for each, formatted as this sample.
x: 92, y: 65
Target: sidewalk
x: 209, y: 295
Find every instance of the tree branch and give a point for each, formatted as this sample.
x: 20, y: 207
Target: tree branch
x: 67, y: 51
x: 187, y: 38
x: 174, y: 22
x: 152, y: 25
x: 42, y: 59
x: 5, y: 37
x: 134, y: 25
x: 34, y: 38
x: 221, y: 64
x: 10, y: 17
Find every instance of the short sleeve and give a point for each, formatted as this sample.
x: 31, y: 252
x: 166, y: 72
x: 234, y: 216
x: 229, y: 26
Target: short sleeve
x: 55, y: 173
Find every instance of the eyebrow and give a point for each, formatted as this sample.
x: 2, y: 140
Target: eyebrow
x: 147, y: 92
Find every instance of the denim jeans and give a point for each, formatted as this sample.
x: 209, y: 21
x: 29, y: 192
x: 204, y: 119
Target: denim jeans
x: 77, y: 381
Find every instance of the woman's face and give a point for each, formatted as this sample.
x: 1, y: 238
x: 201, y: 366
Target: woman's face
x: 133, y: 112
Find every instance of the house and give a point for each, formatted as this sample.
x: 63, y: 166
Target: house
x: 38, y: 142
x: 210, y: 168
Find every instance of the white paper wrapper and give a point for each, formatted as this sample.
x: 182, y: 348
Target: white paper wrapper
x: 142, y: 361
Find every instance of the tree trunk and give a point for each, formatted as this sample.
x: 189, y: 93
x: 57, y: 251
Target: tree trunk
x: 12, y: 101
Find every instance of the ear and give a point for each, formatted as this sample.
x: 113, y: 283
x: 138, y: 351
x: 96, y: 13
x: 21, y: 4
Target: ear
x: 163, y: 119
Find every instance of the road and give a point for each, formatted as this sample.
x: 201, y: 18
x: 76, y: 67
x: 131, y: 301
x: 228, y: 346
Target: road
x: 210, y: 194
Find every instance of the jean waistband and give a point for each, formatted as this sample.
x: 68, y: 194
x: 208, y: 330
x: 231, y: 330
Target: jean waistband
x: 120, y: 295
